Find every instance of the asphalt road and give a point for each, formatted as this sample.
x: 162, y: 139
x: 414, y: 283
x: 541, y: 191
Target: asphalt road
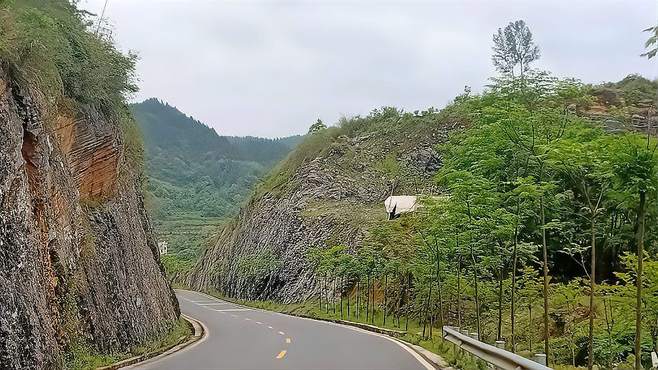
x: 245, y: 338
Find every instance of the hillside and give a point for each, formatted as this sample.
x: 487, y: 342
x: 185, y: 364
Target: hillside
x: 509, y: 181
x: 197, y: 178
x: 79, y: 266
x: 328, y: 192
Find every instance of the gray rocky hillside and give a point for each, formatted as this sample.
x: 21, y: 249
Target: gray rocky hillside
x: 327, y: 192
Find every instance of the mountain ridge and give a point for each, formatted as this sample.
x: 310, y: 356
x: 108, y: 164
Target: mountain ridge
x: 197, y: 178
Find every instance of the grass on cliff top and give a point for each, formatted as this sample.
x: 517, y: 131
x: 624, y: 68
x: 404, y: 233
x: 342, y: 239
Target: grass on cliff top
x: 82, y: 356
x: 50, y: 45
x: 311, y: 308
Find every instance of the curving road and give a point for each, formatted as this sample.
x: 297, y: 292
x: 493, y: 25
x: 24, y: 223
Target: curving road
x: 245, y: 338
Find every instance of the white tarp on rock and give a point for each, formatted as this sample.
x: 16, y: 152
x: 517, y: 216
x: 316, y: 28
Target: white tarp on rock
x: 398, y: 204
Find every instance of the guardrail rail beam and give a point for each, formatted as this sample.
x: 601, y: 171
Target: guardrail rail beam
x: 497, y: 357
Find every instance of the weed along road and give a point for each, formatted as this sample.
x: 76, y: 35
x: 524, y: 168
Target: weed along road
x: 245, y: 338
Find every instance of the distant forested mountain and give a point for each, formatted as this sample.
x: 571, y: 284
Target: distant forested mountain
x: 197, y: 177
x: 264, y: 151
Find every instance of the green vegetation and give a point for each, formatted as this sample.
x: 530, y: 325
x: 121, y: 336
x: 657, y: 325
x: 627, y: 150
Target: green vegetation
x: 194, y: 170
x: 258, y: 267
x: 536, y: 238
x: 82, y: 356
x: 317, y: 126
x: 627, y: 95
x: 529, y: 181
x: 48, y: 44
x: 196, y: 177
x: 652, y: 42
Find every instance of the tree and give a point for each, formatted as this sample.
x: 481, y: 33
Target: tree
x: 513, y: 46
x: 652, y: 42
x: 530, y: 290
x: 473, y: 198
x: 635, y: 170
x: 587, y: 165
x: 534, y: 127
x: 316, y: 127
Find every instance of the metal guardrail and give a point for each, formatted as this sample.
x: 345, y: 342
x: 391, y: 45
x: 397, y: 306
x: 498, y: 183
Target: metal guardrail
x: 498, y: 357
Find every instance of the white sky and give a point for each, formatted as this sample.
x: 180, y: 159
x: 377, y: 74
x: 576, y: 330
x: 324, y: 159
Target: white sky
x: 271, y: 68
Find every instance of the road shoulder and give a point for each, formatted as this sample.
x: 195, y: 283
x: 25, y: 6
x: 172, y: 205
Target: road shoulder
x: 199, y: 335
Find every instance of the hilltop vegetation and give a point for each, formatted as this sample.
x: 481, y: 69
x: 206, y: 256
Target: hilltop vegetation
x: 48, y: 44
x: 535, y: 169
x: 196, y: 177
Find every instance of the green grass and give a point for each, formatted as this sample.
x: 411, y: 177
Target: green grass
x: 82, y: 356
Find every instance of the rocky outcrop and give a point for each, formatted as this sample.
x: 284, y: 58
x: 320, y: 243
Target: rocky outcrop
x: 331, y: 197
x: 77, y: 260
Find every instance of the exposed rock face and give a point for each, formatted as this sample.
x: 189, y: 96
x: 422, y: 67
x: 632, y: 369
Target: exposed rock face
x: 330, y: 198
x: 77, y: 260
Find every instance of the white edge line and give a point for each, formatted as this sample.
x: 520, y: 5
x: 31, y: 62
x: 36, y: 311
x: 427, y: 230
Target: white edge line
x: 413, y: 353
x: 169, y: 353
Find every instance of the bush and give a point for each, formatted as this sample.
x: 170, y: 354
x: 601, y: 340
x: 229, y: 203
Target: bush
x: 48, y: 44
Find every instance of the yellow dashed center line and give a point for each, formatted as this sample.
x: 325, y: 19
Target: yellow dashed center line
x: 281, y: 354
x: 288, y: 340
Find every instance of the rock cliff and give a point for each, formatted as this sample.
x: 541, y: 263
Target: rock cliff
x: 78, y: 263
x: 327, y: 192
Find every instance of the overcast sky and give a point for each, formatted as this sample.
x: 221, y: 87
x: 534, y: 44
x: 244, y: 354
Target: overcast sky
x: 271, y: 68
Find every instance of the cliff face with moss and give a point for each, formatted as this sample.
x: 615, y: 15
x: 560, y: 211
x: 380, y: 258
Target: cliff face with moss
x: 78, y: 264
x: 327, y: 192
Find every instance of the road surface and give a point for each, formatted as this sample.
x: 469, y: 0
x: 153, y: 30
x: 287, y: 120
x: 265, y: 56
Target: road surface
x: 244, y: 338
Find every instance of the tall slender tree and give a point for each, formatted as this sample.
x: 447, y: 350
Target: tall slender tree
x: 514, y: 46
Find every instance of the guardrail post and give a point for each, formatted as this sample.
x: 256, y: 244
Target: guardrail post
x: 500, y: 344
x: 540, y: 358
x: 465, y: 332
x: 474, y: 336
